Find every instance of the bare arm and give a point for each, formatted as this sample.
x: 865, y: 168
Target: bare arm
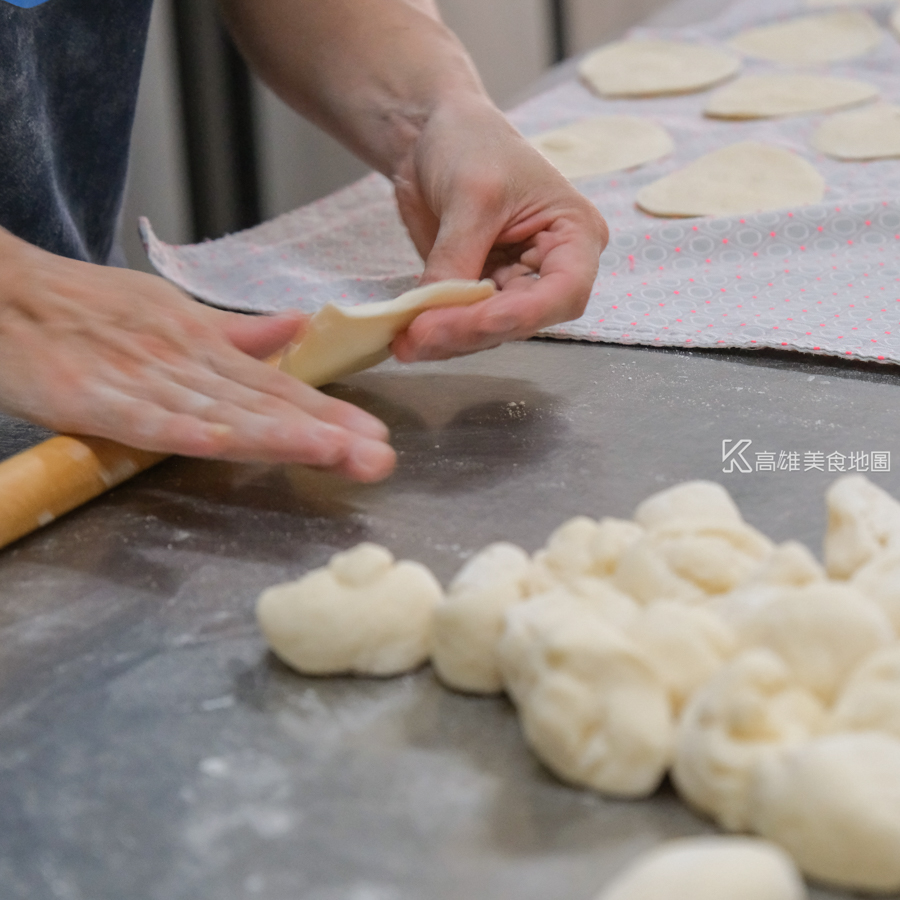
x: 395, y: 85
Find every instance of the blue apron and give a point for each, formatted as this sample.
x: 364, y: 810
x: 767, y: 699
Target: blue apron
x: 69, y: 74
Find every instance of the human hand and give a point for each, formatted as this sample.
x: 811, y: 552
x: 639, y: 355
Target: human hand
x: 93, y: 350
x: 480, y: 202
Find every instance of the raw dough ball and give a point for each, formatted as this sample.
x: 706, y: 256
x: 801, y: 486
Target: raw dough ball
x: 863, y: 520
x: 655, y: 68
x: 689, y: 500
x: 341, y: 340
x: 810, y: 40
x: 603, y: 144
x: 361, y: 613
x: 751, y: 708
x: 591, y: 705
x: 741, y: 178
x: 822, y: 631
x: 834, y: 804
x: 469, y: 621
x: 688, y: 560
x: 870, y: 700
x: 685, y: 644
x: 763, y: 96
x: 870, y: 133
x: 879, y: 580
x: 710, y: 868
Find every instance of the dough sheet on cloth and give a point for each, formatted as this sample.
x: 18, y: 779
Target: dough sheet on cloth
x: 820, y: 278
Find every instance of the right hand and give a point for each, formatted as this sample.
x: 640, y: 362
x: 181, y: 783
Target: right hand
x: 94, y: 350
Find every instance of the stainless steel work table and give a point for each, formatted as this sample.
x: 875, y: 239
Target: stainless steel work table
x: 151, y: 749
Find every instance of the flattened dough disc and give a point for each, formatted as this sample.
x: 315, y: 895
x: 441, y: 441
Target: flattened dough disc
x: 763, y: 96
x: 655, y: 68
x: 603, y: 144
x: 810, y: 40
x: 741, y: 178
x: 870, y: 133
x: 341, y: 340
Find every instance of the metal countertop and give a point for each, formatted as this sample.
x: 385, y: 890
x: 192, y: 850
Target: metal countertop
x: 151, y: 749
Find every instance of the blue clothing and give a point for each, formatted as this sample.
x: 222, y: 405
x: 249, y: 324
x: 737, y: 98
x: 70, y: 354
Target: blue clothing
x: 69, y: 74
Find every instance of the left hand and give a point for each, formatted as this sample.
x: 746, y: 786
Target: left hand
x: 480, y: 202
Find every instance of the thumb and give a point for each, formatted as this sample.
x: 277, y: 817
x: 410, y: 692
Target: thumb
x: 261, y: 336
x: 460, y: 249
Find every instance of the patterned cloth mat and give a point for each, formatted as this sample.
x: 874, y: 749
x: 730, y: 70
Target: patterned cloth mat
x: 822, y: 278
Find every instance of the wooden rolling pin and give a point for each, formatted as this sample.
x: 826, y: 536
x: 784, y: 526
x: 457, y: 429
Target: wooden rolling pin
x: 42, y: 483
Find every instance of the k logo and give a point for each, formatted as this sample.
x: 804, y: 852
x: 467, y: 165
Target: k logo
x: 26, y: 4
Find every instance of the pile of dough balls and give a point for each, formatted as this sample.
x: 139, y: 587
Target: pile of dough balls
x: 681, y: 642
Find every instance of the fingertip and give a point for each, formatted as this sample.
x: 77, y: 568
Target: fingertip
x: 370, y: 461
x: 403, y: 348
x: 261, y: 336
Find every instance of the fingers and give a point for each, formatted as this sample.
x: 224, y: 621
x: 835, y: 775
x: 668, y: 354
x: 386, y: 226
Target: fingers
x: 566, y: 263
x: 183, y: 421
x: 462, y: 245
x: 252, y: 412
x: 261, y: 336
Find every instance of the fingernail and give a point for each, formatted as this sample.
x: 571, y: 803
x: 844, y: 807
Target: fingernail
x: 218, y: 430
x: 216, y: 436
x: 372, y: 460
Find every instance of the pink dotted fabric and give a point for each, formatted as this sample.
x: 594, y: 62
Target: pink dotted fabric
x: 822, y: 278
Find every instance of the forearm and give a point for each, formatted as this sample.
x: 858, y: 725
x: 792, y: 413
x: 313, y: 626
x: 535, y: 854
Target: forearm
x: 370, y: 72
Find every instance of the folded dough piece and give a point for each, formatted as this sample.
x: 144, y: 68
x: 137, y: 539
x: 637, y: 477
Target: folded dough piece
x: 791, y: 565
x: 361, y: 613
x: 341, y: 340
x: 710, y: 868
x: 810, y: 40
x: 583, y: 547
x: 740, y: 178
x: 879, y: 580
x: 591, y: 704
x: 690, y: 560
x: 834, y: 804
x: 766, y: 96
x: 469, y: 621
x: 870, y: 700
x: 580, y: 556
x: 603, y: 144
x: 685, y: 644
x: 863, y: 521
x: 870, y: 133
x: 751, y: 708
x: 822, y: 631
x: 655, y: 68
x: 688, y: 500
